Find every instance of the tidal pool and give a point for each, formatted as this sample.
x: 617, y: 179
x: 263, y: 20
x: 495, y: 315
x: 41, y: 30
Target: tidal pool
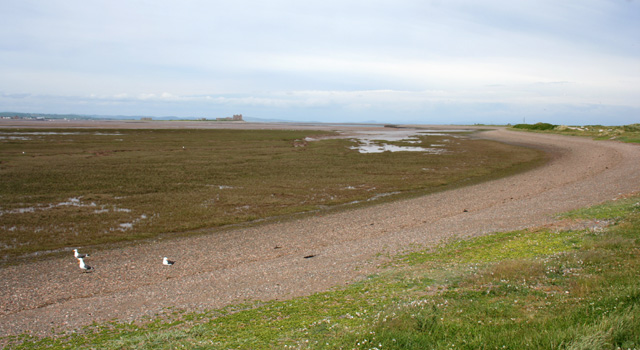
x: 375, y: 142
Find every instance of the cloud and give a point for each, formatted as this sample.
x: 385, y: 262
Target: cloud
x: 383, y: 106
x: 284, y: 56
x: 16, y: 96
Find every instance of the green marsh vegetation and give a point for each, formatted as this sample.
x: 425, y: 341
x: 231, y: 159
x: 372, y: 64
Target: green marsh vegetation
x: 73, y: 188
x: 540, y: 288
x: 624, y: 133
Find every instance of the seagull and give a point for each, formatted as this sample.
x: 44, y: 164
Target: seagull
x: 84, y: 266
x: 78, y: 255
x: 167, y: 262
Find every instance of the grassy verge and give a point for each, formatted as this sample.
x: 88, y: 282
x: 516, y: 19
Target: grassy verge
x: 624, y: 133
x: 73, y: 188
x: 539, y: 288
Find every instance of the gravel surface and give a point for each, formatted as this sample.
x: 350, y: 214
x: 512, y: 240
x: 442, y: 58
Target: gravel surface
x: 268, y: 262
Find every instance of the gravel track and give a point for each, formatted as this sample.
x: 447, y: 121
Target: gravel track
x: 268, y: 262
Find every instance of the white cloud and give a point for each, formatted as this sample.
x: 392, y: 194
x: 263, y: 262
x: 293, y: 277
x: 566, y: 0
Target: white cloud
x: 285, y: 56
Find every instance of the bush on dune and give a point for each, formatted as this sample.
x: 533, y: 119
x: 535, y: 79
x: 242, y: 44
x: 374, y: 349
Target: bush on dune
x: 536, y: 126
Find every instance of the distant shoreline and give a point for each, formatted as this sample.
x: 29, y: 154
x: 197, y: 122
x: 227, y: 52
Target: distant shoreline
x: 199, y: 124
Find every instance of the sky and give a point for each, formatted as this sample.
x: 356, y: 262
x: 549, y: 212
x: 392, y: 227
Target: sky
x: 572, y: 62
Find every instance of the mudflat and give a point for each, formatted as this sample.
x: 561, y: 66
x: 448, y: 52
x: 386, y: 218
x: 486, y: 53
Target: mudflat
x: 282, y: 260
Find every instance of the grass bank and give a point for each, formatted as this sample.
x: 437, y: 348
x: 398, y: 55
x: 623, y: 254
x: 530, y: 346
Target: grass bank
x: 72, y: 188
x: 624, y: 133
x: 542, y: 289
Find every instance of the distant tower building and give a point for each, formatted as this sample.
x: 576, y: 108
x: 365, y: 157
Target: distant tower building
x: 237, y: 117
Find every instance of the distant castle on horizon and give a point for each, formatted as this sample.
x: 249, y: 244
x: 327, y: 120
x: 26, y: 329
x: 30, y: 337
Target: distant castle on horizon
x: 235, y: 118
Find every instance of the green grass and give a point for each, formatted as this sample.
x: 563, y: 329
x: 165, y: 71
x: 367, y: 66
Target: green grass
x: 625, y: 133
x: 72, y: 188
x: 614, y: 210
x: 534, y: 288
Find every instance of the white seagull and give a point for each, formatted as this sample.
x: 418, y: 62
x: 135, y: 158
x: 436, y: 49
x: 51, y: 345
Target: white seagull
x: 84, y: 266
x: 78, y: 255
x: 167, y: 262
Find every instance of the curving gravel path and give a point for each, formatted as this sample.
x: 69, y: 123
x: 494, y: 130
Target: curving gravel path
x: 268, y: 262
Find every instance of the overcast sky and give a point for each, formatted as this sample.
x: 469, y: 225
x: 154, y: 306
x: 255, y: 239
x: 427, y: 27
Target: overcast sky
x: 405, y: 61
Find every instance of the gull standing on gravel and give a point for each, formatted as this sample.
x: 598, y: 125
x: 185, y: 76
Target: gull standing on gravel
x: 167, y: 262
x: 84, y: 266
x: 78, y: 255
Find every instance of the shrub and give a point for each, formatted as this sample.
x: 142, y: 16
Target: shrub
x: 632, y: 128
x: 536, y: 126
